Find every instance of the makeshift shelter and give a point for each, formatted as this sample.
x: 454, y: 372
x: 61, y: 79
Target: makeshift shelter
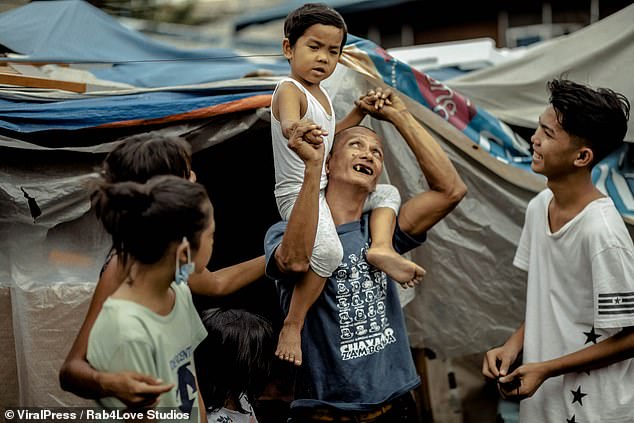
x: 52, y: 141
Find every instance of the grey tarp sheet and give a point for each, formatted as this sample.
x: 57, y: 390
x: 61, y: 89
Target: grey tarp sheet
x: 601, y: 55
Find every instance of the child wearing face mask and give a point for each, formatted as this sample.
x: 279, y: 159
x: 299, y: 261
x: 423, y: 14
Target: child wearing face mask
x: 162, y: 231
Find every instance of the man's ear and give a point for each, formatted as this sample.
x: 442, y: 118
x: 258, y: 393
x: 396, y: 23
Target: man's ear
x: 328, y: 164
x: 585, y: 157
x: 287, y: 49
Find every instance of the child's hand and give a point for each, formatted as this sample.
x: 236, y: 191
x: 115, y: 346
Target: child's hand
x: 381, y: 104
x: 364, y: 103
x: 304, y: 142
x: 381, y: 98
x: 375, y: 98
x: 135, y: 390
x: 314, y: 136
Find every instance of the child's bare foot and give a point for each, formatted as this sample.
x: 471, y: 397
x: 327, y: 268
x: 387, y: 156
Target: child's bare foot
x: 403, y: 271
x: 289, y: 344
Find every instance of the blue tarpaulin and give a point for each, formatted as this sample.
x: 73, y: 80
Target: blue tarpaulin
x: 75, y: 31
x: 86, y: 113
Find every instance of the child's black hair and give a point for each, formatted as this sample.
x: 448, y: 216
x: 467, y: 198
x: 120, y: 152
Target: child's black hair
x: 598, y: 117
x: 235, y: 358
x: 143, y: 156
x: 144, y: 219
x: 302, y: 18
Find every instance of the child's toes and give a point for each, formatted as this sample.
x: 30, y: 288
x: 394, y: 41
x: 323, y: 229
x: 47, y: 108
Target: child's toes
x: 419, y: 272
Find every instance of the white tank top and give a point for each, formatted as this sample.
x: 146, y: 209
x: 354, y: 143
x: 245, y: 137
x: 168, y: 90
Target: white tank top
x: 289, y: 168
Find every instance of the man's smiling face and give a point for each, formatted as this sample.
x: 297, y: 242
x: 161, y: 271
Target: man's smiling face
x: 356, y: 158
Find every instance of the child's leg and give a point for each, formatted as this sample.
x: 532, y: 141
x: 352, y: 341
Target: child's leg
x: 326, y: 257
x: 305, y: 293
x: 381, y: 253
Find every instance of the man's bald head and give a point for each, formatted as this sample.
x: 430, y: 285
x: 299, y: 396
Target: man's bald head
x: 358, y: 130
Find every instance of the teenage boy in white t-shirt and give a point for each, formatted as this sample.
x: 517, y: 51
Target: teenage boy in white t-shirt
x: 577, y: 339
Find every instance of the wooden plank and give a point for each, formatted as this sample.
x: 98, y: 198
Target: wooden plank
x: 29, y: 70
x: 9, y: 62
x: 33, y: 82
x: 7, y: 69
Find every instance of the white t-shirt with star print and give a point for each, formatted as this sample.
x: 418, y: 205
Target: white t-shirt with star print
x: 580, y: 291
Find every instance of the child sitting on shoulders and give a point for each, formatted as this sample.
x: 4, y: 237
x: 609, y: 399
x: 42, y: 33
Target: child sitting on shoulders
x: 314, y: 38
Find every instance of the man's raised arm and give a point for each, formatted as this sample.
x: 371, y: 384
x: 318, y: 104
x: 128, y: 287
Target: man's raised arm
x: 424, y: 210
x: 293, y: 254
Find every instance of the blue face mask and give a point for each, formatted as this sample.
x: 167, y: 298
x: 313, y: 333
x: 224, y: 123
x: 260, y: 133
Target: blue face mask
x: 182, y: 272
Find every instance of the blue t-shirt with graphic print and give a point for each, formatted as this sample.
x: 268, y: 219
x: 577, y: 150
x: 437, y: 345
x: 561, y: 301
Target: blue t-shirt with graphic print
x: 356, y: 353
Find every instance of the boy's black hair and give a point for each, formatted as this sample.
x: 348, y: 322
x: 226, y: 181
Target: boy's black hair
x: 144, y: 219
x: 143, y: 156
x: 598, y: 117
x: 302, y: 18
x: 235, y: 358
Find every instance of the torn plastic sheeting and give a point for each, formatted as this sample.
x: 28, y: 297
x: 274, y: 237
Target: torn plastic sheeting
x: 8, y: 365
x: 46, y: 318
x: 58, y: 199
x: 49, y: 282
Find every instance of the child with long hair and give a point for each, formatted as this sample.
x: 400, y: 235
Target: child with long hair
x: 238, y: 353
x: 138, y: 159
x: 162, y: 232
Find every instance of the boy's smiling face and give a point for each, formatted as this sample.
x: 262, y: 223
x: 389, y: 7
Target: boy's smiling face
x: 314, y: 56
x: 555, y: 152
